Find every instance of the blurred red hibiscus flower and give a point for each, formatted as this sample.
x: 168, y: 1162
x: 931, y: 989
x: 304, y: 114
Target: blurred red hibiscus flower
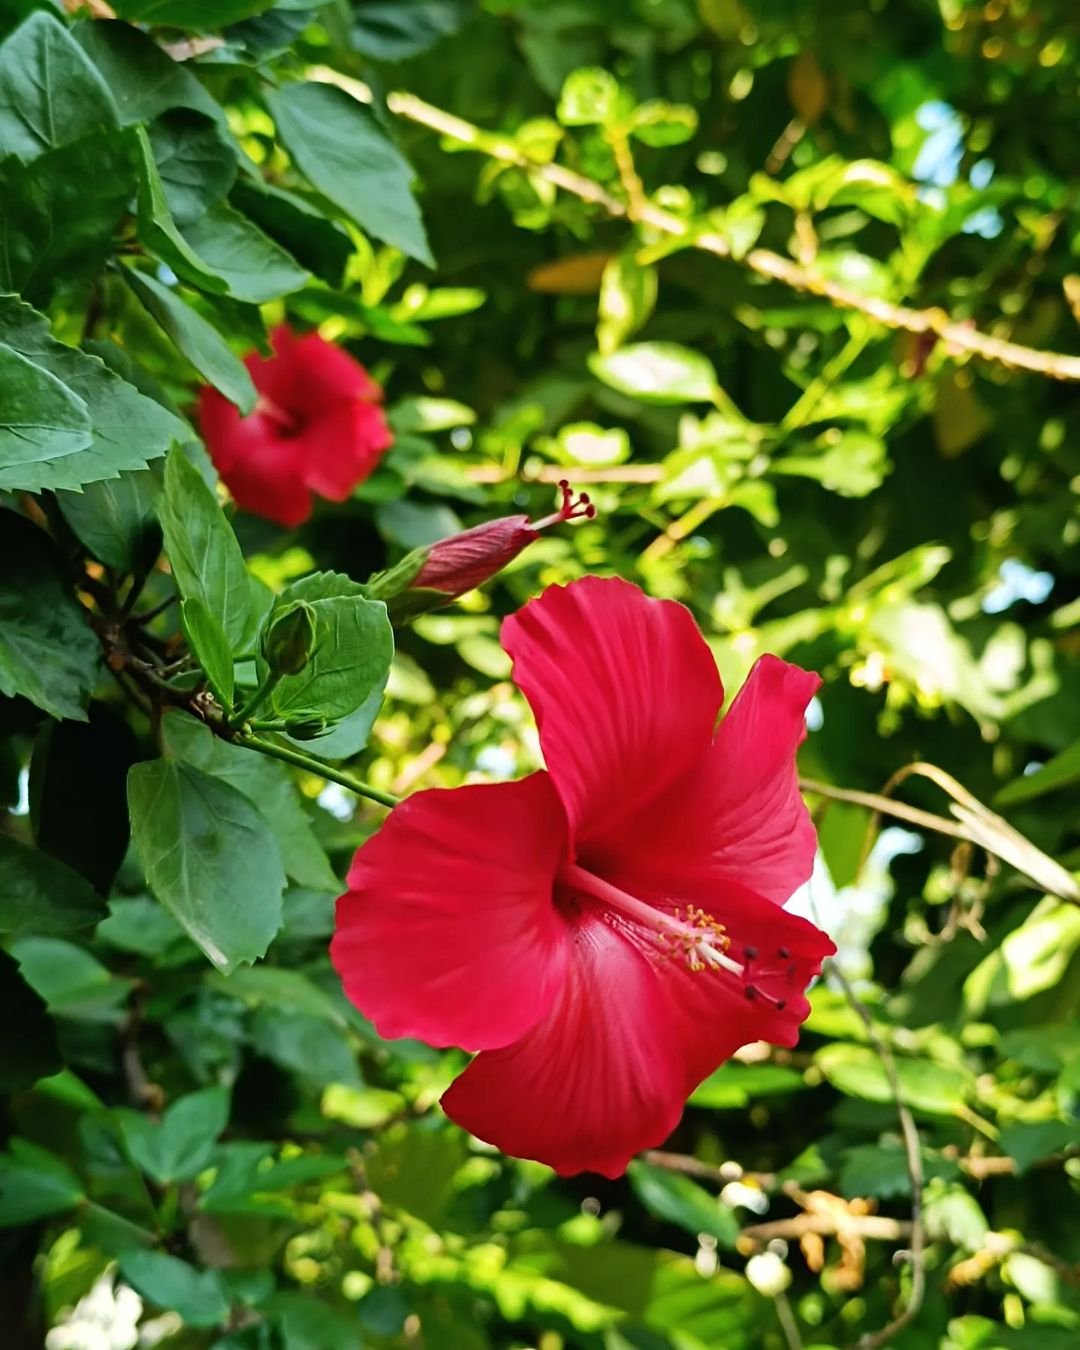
x: 607, y: 932
x: 317, y: 429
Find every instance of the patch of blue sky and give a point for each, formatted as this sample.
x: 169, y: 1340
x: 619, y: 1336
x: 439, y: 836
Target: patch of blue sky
x: 1017, y: 581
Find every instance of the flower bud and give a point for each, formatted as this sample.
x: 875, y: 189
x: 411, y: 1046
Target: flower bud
x: 768, y: 1274
x: 440, y: 572
x: 290, y: 640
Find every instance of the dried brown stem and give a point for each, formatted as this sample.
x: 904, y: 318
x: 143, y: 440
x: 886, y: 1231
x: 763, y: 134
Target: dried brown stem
x: 959, y: 337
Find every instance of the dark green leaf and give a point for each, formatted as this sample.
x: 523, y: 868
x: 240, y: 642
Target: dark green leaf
x: 198, y: 1297
x: 1061, y: 771
x: 203, y: 553
x: 399, y: 29
x: 33, y: 1052
x: 267, y: 784
x: 198, y: 340
x: 49, y: 92
x: 316, y: 243
x: 34, y: 1184
x: 1026, y: 1142
x: 198, y: 14
x: 48, y: 652
x: 78, y: 805
x: 58, y: 214
x: 183, y: 1142
x: 116, y: 520
x: 678, y: 1200
x: 355, y: 645
x: 129, y: 429
x: 71, y: 981
x: 339, y: 146
x: 209, y: 857
x: 196, y: 164
x: 143, y: 80
x: 210, y: 647
x: 41, y: 419
x: 222, y: 252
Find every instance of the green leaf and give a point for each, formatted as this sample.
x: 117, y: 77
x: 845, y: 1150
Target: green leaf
x: 34, y: 1052
x: 1026, y: 1142
x: 627, y: 297
x: 657, y: 372
x: 41, y: 419
x: 275, y: 987
x: 659, y: 123
x: 210, y: 646
x: 34, y: 1184
x: 881, y: 1170
x: 40, y: 895
x: 209, y: 857
x: 48, y: 652
x: 196, y: 164
x: 678, y: 1200
x: 355, y: 645
x: 78, y: 804
x: 116, y: 520
x: 736, y: 1085
x: 221, y: 252
x: 339, y: 146
x: 198, y: 1297
x: 128, y: 428
x: 394, y: 30
x: 49, y: 92
x: 143, y: 79
x: 858, y: 1071
x: 71, y: 981
x: 210, y: 15
x: 852, y: 463
x: 198, y: 340
x: 591, y: 97
x: 267, y: 784
x: 203, y: 553
x: 183, y: 1143
x: 1061, y: 771
x: 319, y: 244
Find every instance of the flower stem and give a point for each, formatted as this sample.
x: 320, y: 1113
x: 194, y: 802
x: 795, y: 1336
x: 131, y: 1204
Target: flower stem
x: 256, y: 700
x: 316, y: 766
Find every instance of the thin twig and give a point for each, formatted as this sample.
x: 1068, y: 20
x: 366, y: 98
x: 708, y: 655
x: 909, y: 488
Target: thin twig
x: 959, y: 337
x: 913, y: 1159
x: 874, y: 801
x: 317, y: 767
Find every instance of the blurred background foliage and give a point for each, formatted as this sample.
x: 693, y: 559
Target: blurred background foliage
x: 238, y: 1160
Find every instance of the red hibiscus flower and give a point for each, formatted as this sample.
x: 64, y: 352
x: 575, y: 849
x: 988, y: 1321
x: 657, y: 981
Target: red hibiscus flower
x: 607, y: 932
x: 317, y: 428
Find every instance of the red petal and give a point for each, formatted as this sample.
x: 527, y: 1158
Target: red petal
x: 712, y: 1009
x: 449, y: 932
x: 262, y: 469
x: 737, y: 815
x: 625, y: 693
x: 596, y: 1081
x: 307, y: 373
x: 342, y: 445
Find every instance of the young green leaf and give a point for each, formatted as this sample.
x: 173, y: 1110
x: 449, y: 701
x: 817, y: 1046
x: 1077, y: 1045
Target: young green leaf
x: 355, y: 645
x: 657, y: 372
x: 209, y: 857
x: 208, y: 642
x: 183, y: 1143
x: 203, y: 553
x: 339, y: 146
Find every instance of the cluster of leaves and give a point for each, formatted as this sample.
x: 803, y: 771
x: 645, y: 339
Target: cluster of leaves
x: 192, y: 1110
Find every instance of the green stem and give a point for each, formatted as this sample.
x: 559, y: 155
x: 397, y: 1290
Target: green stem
x: 237, y: 719
x: 316, y: 766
